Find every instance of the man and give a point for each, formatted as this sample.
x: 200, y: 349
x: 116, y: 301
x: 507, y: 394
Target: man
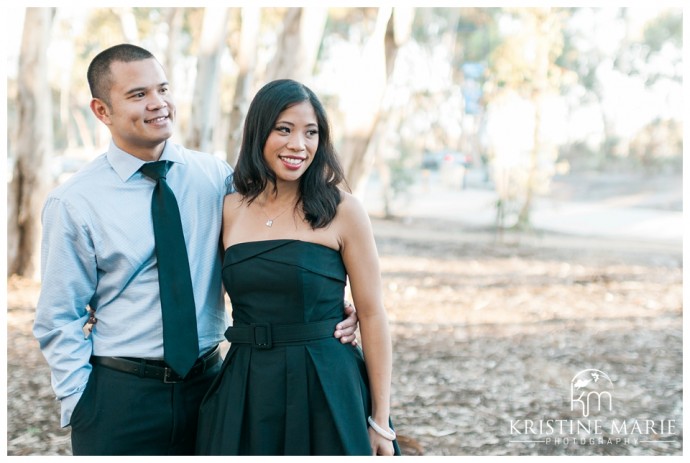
x: 99, y: 319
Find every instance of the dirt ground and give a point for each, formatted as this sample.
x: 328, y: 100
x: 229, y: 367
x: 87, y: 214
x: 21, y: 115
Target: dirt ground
x: 488, y: 333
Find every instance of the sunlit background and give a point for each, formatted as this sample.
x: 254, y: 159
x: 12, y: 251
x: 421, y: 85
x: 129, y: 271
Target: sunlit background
x: 482, y: 115
x: 500, y: 101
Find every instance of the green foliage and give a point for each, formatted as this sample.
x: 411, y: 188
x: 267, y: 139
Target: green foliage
x: 504, y: 39
x: 403, y: 170
x: 524, y: 67
x: 667, y: 28
x: 658, y: 145
x: 352, y: 24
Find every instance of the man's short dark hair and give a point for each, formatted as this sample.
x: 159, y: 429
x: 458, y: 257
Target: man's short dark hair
x: 99, y: 75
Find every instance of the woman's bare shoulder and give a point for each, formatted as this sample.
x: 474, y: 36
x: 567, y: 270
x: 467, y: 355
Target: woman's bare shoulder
x: 233, y: 200
x: 351, y: 214
x: 350, y: 205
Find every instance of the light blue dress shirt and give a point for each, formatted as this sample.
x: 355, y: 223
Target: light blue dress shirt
x: 98, y: 251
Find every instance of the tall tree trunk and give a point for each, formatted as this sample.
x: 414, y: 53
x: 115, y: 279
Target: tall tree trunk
x: 128, y: 23
x: 82, y: 127
x: 546, y: 26
x: 607, y: 145
x: 363, y: 99
x: 298, y: 45
x: 34, y: 145
x: 65, y: 103
x: 205, y: 103
x: 174, y: 18
x: 246, y: 60
x: 397, y: 32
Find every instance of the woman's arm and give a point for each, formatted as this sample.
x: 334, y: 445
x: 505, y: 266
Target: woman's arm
x: 358, y: 249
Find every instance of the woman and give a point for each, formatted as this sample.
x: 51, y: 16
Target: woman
x: 292, y: 238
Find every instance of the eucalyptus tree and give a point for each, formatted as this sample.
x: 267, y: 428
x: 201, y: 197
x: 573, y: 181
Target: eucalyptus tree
x: 205, y: 102
x: 244, y: 52
x: 614, y: 47
x: 33, y: 148
x: 378, y: 33
x: 524, y: 76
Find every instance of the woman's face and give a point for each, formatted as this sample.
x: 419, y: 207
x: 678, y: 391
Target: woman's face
x: 292, y: 143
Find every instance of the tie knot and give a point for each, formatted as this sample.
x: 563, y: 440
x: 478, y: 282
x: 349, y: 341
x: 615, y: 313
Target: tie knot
x: 156, y: 170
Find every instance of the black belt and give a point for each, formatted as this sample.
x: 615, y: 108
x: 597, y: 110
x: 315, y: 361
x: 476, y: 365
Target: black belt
x: 157, y: 369
x: 265, y: 335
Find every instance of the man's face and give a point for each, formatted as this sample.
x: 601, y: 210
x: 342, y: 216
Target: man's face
x: 141, y: 112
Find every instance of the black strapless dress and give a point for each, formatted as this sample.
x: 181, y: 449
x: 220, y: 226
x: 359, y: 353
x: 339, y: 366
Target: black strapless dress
x: 287, y: 386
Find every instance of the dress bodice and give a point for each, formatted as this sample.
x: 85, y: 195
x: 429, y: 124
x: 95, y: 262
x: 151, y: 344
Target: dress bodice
x: 284, y: 281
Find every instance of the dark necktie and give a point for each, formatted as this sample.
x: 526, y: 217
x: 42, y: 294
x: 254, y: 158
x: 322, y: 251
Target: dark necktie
x: 180, y: 339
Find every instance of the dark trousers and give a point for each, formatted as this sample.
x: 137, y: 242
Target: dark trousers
x: 123, y: 414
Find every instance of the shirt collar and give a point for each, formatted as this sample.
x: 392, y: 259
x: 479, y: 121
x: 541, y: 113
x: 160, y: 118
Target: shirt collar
x: 126, y: 165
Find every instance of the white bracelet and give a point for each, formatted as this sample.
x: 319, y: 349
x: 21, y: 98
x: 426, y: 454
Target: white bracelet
x: 390, y: 435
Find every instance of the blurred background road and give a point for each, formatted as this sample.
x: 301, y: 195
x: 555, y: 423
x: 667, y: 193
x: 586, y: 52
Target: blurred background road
x: 626, y: 206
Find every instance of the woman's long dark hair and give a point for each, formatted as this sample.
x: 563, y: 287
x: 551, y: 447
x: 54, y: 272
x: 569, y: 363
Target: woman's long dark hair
x: 318, y: 191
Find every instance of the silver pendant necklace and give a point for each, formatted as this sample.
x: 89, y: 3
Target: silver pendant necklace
x: 269, y: 222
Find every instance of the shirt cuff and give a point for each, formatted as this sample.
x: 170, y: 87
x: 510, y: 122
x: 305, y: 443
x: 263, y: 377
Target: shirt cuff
x: 67, y: 407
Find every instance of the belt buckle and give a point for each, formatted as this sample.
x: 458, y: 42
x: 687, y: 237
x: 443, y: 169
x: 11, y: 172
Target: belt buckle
x: 167, y: 372
x: 261, y: 335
